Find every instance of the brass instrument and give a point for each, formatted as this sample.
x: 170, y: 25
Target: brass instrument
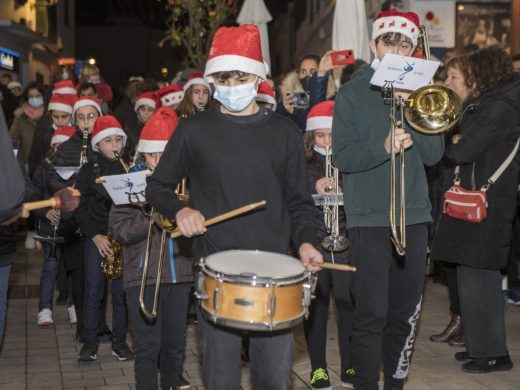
x: 84, y: 149
x: 112, y: 266
x: 431, y: 109
x: 334, y: 242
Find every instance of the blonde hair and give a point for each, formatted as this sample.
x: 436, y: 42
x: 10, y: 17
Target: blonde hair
x: 89, y: 70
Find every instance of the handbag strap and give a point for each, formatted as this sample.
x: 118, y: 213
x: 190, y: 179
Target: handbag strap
x: 497, y: 173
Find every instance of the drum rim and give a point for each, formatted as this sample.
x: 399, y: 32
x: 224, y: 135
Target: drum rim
x: 259, y: 281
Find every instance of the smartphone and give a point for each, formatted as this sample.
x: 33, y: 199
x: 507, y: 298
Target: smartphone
x: 343, y: 57
x: 299, y: 99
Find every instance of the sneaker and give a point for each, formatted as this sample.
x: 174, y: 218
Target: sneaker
x: 71, y: 310
x: 513, y: 296
x: 183, y: 384
x: 45, y: 318
x: 30, y: 242
x: 320, y: 379
x: 122, y: 352
x: 347, y: 378
x: 486, y: 365
x: 88, y: 352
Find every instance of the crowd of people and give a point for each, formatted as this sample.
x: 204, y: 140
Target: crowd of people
x: 233, y: 137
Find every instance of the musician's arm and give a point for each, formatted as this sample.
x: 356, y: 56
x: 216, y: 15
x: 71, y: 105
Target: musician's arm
x: 128, y: 224
x: 430, y: 147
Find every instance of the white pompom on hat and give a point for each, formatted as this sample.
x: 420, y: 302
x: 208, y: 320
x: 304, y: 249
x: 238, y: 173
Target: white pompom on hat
x: 14, y: 84
x: 406, y: 23
x: 62, y: 134
x: 65, y: 87
x: 105, y: 126
x: 320, y: 116
x: 236, y: 49
x: 62, y: 102
x: 146, y: 99
x: 265, y: 94
x: 87, y: 101
x: 157, y: 131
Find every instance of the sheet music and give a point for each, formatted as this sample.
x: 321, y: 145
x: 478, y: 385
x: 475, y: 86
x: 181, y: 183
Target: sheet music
x: 128, y: 188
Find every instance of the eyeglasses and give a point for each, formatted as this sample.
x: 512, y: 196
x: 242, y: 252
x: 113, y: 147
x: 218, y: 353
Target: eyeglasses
x: 86, y: 118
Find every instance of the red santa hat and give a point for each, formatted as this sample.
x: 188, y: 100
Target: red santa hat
x: 320, y: 116
x: 265, y: 94
x: 105, y: 126
x: 62, y: 134
x: 236, y: 48
x: 170, y: 95
x: 196, y: 78
x: 61, y: 102
x: 87, y: 101
x: 65, y: 87
x: 157, y: 131
x: 146, y: 99
x: 406, y: 23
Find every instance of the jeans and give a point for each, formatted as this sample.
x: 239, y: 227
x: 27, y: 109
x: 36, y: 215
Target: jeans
x: 48, y: 275
x: 270, y: 354
x: 4, y: 284
x: 94, y: 289
x: 161, y: 342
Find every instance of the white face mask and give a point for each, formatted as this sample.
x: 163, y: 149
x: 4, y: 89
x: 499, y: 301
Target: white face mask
x: 237, y: 98
x: 322, y: 151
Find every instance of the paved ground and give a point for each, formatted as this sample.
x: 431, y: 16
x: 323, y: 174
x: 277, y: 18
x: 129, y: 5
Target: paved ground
x: 45, y: 358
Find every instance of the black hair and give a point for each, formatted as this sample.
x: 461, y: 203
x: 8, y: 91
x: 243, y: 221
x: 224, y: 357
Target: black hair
x: 33, y: 85
x: 86, y: 85
x: 306, y: 57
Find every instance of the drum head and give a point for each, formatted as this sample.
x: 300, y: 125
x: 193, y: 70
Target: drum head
x: 259, y: 263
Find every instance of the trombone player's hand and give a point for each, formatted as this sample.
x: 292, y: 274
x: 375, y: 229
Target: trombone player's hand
x: 401, y: 138
x: 190, y: 222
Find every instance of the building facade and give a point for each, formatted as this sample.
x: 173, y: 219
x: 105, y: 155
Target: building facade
x: 34, y: 34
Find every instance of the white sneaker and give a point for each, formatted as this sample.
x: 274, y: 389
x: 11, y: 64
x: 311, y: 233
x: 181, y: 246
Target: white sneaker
x: 72, y: 314
x: 45, y: 318
x: 30, y: 242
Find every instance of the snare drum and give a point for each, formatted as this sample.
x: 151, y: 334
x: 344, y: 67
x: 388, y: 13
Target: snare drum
x: 254, y: 290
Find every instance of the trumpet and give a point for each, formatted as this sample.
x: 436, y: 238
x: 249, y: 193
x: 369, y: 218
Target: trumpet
x: 334, y: 242
x: 431, y: 109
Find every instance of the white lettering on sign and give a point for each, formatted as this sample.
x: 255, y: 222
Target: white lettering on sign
x: 7, y: 61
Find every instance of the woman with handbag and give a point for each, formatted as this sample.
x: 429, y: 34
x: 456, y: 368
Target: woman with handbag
x: 476, y: 235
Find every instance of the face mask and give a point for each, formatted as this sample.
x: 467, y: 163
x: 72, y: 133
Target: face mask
x: 65, y: 75
x: 322, y: 151
x: 236, y: 99
x: 305, y: 82
x: 35, y: 102
x: 95, y: 82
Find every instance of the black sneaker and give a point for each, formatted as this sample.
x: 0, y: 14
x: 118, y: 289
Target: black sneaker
x: 485, y: 365
x: 183, y: 384
x: 122, y: 352
x: 88, y: 352
x: 347, y: 378
x: 320, y: 379
x: 463, y: 357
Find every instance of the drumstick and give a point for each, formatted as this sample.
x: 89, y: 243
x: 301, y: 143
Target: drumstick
x: 52, y: 202
x: 222, y: 217
x: 338, y: 267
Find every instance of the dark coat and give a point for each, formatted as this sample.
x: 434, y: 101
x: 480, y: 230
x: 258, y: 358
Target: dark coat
x: 489, y: 129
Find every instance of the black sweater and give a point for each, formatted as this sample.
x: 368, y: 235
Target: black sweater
x: 94, y: 204
x: 230, y: 164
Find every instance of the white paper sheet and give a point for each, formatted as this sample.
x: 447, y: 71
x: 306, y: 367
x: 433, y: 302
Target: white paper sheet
x: 127, y: 188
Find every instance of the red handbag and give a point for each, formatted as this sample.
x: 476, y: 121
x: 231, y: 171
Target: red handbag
x: 471, y: 205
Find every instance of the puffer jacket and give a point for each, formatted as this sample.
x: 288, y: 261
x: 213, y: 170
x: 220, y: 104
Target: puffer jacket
x: 129, y: 227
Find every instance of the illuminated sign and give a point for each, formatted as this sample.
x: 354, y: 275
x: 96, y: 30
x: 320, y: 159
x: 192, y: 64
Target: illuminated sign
x: 9, y: 59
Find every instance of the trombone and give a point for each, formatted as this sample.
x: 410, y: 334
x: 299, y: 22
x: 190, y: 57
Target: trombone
x: 431, y: 109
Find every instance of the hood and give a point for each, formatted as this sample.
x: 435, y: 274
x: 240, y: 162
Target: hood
x: 291, y: 84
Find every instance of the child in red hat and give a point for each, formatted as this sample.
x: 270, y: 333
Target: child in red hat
x: 387, y: 287
x: 233, y: 154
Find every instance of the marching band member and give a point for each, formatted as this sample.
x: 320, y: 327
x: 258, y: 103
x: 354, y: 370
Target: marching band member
x: 197, y: 95
x: 107, y: 139
x: 386, y: 288
x: 318, y: 141
x: 144, y: 107
x: 232, y: 154
x: 159, y: 343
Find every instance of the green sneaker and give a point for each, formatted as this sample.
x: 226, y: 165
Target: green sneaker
x: 320, y: 379
x: 347, y: 378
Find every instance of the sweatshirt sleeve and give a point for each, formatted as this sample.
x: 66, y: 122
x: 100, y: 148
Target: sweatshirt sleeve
x: 172, y: 168
x: 301, y: 206
x: 430, y: 147
x: 128, y: 225
x: 355, y: 149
